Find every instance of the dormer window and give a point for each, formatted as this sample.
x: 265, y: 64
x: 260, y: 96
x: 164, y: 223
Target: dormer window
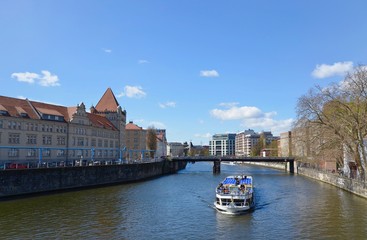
x: 4, y: 113
x: 24, y: 115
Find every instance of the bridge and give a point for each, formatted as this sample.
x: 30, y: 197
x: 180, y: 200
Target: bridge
x: 289, y: 166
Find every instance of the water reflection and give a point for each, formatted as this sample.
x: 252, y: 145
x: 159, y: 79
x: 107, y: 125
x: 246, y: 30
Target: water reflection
x: 181, y: 206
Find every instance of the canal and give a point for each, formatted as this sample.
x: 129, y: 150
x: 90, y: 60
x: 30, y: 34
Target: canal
x: 179, y: 206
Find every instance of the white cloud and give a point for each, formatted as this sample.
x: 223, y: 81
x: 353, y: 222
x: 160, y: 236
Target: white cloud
x: 253, y: 117
x: 25, y: 77
x: 45, y: 80
x: 275, y: 126
x: 167, y: 104
x: 132, y: 92
x: 338, y: 68
x: 236, y: 113
x: 142, y: 61
x: 48, y: 80
x: 209, y: 73
x: 106, y: 50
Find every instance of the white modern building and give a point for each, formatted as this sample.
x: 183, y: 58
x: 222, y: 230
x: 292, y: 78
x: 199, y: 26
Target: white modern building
x: 222, y: 144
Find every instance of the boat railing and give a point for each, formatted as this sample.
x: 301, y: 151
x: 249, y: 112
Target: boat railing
x: 235, y: 192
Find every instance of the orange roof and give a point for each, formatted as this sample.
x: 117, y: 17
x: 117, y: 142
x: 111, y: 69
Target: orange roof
x: 132, y: 126
x: 13, y: 105
x: 100, y: 121
x: 108, y: 102
x: 45, y: 108
x: 49, y: 111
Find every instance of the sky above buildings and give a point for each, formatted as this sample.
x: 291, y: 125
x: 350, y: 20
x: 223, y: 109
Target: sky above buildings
x: 194, y: 68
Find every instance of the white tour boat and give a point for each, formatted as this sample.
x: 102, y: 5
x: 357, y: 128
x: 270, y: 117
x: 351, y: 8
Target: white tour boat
x: 235, y: 195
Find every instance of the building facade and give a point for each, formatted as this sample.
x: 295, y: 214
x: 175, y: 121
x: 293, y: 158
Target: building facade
x: 161, y: 143
x: 245, y: 141
x: 222, y: 144
x: 136, y: 141
x: 175, y: 149
x: 34, y: 132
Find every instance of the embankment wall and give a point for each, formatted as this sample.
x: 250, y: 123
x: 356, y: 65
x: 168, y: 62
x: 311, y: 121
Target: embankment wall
x: 29, y: 181
x: 356, y: 187
x: 350, y: 185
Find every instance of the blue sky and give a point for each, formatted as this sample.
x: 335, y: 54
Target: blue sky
x: 195, y: 68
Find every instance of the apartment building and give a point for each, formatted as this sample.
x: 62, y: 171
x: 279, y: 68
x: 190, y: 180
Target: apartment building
x: 136, y: 141
x: 222, y: 144
x: 33, y: 131
x: 245, y: 141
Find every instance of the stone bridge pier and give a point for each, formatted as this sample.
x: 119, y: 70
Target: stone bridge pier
x: 216, y: 166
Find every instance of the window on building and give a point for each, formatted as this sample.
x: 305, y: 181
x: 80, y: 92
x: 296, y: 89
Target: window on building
x: 13, y: 152
x: 105, y: 143
x: 46, y: 152
x: 99, y: 142
x: 14, y: 138
x: 79, y: 153
x: 31, y: 153
x: 93, y: 143
x: 4, y: 113
x: 47, y: 140
x: 60, y: 153
x: 60, y: 140
x: 1, y: 123
x: 80, y: 141
x: 32, y: 139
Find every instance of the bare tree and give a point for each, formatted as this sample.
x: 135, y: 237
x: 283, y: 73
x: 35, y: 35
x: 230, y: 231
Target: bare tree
x: 151, y: 140
x: 341, y: 111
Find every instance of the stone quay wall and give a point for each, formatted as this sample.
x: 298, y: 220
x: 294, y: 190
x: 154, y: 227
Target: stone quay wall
x: 351, y: 185
x: 30, y: 181
x: 357, y: 187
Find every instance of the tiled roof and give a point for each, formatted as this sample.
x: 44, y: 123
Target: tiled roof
x: 108, y: 102
x: 132, y: 126
x: 100, y: 121
x: 15, y: 107
x: 12, y: 105
x: 51, y: 109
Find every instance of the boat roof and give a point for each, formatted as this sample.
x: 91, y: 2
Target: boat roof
x: 242, y: 180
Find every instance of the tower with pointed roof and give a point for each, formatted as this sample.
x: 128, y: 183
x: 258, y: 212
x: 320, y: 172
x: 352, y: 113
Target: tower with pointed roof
x: 109, y: 107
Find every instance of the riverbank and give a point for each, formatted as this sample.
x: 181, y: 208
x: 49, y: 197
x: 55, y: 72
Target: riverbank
x: 347, y: 184
x: 30, y: 181
x: 350, y: 185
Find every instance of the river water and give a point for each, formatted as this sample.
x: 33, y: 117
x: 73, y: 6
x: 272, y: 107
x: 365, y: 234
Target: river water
x: 180, y: 206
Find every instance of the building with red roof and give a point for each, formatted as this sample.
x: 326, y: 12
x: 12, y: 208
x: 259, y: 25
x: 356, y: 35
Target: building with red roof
x: 35, y: 131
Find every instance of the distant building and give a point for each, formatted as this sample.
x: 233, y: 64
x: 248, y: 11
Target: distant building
x: 245, y: 141
x: 285, y: 144
x: 222, y: 144
x: 33, y: 131
x: 248, y: 139
x: 198, y: 150
x: 175, y: 149
x: 136, y: 143
x: 161, y: 143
